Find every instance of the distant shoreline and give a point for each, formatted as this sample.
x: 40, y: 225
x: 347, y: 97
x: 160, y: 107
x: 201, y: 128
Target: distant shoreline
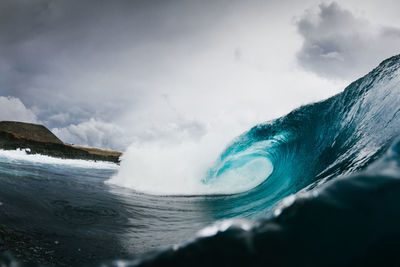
x: 39, y: 140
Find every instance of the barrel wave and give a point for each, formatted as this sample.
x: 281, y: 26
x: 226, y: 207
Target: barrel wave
x: 317, y: 142
x: 332, y: 187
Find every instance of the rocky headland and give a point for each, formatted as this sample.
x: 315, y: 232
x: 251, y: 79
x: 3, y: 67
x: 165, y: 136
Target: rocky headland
x: 37, y: 139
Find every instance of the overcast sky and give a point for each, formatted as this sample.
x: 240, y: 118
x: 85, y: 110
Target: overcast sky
x: 112, y: 73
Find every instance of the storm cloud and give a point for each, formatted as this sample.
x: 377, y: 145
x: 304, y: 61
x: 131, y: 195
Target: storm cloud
x: 111, y: 73
x: 80, y: 57
x: 80, y: 64
x: 338, y: 44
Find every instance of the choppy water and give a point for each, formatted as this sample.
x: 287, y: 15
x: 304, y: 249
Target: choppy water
x: 325, y: 182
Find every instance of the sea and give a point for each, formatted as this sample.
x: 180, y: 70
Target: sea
x: 322, y: 188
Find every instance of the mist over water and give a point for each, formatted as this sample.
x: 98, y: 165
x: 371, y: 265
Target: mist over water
x: 337, y: 160
x: 181, y: 168
x: 190, y: 129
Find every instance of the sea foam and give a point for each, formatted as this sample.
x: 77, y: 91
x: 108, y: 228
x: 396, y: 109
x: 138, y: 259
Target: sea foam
x: 181, y: 169
x: 21, y: 155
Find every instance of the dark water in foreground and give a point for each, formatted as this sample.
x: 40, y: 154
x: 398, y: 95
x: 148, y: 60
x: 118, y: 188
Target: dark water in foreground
x: 331, y: 199
x: 66, y: 214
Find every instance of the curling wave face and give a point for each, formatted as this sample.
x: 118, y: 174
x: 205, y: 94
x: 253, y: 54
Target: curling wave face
x: 301, y: 150
x: 349, y: 135
x: 317, y: 142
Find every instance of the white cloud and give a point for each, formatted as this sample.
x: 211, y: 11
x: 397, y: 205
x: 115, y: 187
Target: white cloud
x: 12, y: 109
x: 337, y: 44
x: 94, y: 133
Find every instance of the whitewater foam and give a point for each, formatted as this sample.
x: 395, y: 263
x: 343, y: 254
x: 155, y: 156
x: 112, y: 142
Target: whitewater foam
x: 181, y: 169
x: 21, y: 155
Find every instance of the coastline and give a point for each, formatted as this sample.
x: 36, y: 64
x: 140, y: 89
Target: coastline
x: 10, y: 140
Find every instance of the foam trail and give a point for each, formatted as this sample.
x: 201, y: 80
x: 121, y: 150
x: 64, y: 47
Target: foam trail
x: 17, y: 156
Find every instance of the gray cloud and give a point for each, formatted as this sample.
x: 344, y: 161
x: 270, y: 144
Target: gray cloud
x: 338, y: 44
x: 75, y: 61
x: 93, y: 56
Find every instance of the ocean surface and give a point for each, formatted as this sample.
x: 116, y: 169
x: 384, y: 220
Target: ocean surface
x: 322, y: 189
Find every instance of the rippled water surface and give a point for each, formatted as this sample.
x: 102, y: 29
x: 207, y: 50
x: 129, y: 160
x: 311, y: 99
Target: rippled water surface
x: 68, y: 211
